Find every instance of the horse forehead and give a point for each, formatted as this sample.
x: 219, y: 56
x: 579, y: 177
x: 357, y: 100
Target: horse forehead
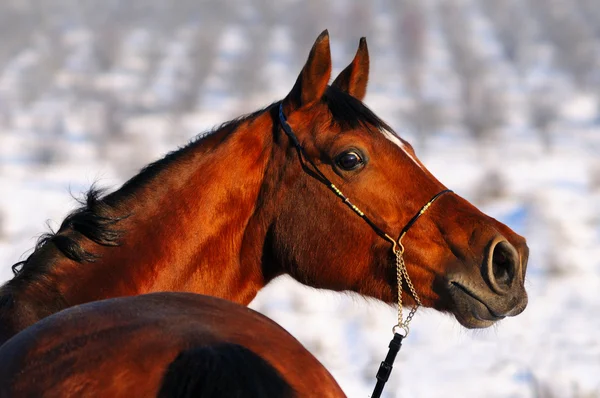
x: 391, y: 136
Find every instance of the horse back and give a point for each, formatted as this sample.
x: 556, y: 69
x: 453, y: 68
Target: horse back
x: 135, y: 346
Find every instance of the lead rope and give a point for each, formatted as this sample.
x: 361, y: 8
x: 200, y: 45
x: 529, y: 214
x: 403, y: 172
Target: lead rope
x: 385, y: 369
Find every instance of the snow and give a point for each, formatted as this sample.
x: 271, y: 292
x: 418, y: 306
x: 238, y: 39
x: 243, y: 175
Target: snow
x: 90, y: 123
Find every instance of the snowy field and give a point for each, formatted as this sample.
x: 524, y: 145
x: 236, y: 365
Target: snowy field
x: 500, y: 98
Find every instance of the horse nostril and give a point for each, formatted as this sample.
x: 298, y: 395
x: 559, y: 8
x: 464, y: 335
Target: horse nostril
x: 502, y: 264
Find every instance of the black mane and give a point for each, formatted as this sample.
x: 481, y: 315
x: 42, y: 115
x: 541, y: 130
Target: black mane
x: 349, y: 112
x: 222, y: 370
x: 90, y: 220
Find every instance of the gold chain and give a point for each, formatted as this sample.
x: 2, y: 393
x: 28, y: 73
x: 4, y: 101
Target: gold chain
x: 401, y: 272
x: 402, y: 275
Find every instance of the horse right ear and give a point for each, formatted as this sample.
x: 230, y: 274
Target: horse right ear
x: 312, y: 81
x: 353, y: 80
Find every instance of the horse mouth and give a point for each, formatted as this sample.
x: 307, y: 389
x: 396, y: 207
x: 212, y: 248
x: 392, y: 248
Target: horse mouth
x: 471, y: 310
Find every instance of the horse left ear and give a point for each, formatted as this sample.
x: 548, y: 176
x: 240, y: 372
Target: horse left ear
x: 353, y: 80
x: 312, y: 82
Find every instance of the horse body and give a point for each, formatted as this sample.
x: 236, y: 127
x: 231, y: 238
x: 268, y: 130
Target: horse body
x: 124, y: 347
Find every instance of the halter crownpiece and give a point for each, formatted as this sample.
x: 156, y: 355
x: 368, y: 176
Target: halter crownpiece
x: 386, y: 366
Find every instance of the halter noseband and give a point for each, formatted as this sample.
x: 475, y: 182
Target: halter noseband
x: 385, y: 368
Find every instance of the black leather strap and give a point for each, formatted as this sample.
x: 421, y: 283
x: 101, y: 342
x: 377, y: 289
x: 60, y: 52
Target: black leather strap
x: 385, y: 369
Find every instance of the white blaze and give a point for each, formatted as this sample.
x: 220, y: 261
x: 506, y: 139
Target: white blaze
x: 396, y: 140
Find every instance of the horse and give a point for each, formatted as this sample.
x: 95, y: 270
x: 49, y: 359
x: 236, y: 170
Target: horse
x: 315, y: 186
x: 160, y: 345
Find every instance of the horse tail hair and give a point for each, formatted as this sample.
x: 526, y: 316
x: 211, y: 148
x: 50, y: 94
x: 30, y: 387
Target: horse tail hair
x: 222, y: 370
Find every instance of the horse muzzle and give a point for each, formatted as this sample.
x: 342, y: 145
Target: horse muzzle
x: 480, y: 300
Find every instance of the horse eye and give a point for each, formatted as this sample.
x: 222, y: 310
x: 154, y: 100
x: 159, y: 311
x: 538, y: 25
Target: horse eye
x: 349, y: 160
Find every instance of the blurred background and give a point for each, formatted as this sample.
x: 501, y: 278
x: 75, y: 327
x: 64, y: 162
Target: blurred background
x: 501, y: 99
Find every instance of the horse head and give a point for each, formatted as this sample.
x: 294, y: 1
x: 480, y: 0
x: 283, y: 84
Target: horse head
x: 459, y: 259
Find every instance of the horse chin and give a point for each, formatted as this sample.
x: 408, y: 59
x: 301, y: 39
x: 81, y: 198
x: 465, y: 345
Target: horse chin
x: 472, y: 322
x: 470, y: 311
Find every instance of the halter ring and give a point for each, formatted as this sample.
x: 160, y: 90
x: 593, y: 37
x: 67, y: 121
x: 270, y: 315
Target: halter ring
x: 396, y: 245
x: 402, y: 327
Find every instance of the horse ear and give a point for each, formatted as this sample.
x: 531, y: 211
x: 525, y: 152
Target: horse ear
x: 312, y: 81
x: 353, y: 80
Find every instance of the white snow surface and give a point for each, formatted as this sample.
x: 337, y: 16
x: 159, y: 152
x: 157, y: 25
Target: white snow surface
x: 61, y: 138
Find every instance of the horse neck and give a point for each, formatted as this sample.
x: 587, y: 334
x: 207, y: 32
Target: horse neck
x: 192, y: 226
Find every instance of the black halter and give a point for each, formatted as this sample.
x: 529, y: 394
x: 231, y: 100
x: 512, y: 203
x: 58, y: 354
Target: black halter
x: 316, y: 173
x: 385, y: 369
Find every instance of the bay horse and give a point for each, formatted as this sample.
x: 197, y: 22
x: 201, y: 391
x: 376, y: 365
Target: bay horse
x: 162, y: 345
x: 236, y: 208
